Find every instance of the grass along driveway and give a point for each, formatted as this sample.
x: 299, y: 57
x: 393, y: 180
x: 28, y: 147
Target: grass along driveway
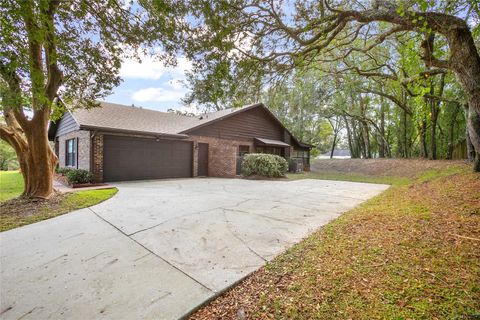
x: 16, y: 212
x: 410, y: 253
x: 11, y: 185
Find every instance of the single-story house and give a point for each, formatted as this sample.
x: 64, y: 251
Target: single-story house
x: 117, y: 142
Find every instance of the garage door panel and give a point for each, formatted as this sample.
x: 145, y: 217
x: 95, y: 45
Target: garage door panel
x: 135, y: 159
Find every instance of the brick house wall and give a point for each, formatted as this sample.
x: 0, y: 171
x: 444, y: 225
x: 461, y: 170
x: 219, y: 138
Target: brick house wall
x: 83, y: 148
x: 222, y: 155
x: 97, y: 157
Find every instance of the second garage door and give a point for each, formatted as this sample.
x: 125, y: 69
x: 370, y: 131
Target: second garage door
x: 127, y: 158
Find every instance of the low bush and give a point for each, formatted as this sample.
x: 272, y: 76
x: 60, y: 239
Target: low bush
x: 63, y: 170
x: 267, y: 165
x: 78, y: 176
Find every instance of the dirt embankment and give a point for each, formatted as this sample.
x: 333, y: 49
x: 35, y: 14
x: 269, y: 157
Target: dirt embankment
x: 384, y: 167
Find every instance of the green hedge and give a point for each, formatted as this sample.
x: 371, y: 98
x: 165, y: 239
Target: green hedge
x: 267, y: 165
x: 77, y: 176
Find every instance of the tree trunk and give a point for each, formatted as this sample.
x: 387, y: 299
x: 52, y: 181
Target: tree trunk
x: 336, y: 128
x: 465, y: 63
x: 38, y: 165
x: 451, y: 131
x: 423, y: 139
x: 366, y: 140
x: 349, y: 137
x: 474, y: 134
x: 434, y: 110
x: 35, y: 156
x: 361, y: 141
x: 388, y: 143
x: 381, y: 144
x: 470, y: 147
x: 355, y: 144
x: 404, y: 135
x: 333, y: 145
x: 433, y: 133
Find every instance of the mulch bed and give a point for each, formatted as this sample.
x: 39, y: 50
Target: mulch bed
x: 63, y: 180
x: 257, y: 177
x: 23, y: 207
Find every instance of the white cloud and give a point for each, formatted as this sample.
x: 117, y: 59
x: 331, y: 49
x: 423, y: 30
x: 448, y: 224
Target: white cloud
x: 158, y: 95
x: 146, y: 69
x: 190, y: 109
x: 151, y: 68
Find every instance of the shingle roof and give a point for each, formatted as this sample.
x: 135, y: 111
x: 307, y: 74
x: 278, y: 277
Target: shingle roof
x: 131, y: 118
x: 270, y: 142
x: 120, y: 117
x: 112, y: 116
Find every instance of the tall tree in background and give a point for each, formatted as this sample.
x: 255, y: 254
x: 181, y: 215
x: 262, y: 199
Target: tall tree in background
x: 277, y: 37
x: 68, y: 49
x: 301, y: 102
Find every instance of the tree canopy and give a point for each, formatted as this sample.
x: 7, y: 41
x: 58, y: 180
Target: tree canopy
x: 72, y: 50
x: 409, y: 69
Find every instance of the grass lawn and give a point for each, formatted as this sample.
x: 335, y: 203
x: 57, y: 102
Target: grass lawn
x: 11, y: 185
x: 18, y: 212
x: 412, y: 252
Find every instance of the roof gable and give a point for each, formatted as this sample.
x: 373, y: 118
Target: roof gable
x: 213, y: 117
x: 130, y: 118
x: 64, y: 125
x: 218, y: 116
x: 248, y: 122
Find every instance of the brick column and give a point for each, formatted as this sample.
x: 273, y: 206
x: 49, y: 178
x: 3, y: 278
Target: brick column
x: 97, y: 145
x: 195, y: 158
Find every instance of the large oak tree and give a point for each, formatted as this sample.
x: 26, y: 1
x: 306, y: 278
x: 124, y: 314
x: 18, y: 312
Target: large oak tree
x: 52, y: 49
x: 276, y: 37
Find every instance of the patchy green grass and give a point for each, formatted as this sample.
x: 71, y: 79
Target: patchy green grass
x: 392, y: 177
x: 11, y: 185
x: 412, y: 252
x: 354, y: 177
x: 439, y: 173
x: 19, y: 212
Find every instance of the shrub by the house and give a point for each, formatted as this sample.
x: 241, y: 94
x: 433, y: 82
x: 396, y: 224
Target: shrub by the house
x: 267, y: 165
x: 78, y: 176
x: 63, y: 170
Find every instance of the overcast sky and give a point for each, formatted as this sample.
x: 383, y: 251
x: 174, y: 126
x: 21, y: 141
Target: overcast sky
x: 152, y: 85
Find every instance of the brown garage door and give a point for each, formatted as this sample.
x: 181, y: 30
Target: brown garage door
x: 127, y: 158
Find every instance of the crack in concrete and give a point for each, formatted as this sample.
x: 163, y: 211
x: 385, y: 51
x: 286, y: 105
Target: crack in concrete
x: 168, y: 220
x: 313, y: 210
x: 267, y: 217
x: 160, y: 298
x: 186, y: 215
x: 144, y: 247
x: 88, y: 259
x: 55, y: 259
x: 227, y: 223
x: 28, y: 313
x: 328, y: 195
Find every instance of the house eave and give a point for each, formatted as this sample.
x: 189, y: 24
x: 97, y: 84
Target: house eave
x: 126, y: 131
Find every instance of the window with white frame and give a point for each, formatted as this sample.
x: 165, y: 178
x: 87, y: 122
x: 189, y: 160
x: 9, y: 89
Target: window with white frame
x: 71, y: 152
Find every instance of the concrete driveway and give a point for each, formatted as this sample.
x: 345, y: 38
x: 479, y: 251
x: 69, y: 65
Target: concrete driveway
x: 160, y: 248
